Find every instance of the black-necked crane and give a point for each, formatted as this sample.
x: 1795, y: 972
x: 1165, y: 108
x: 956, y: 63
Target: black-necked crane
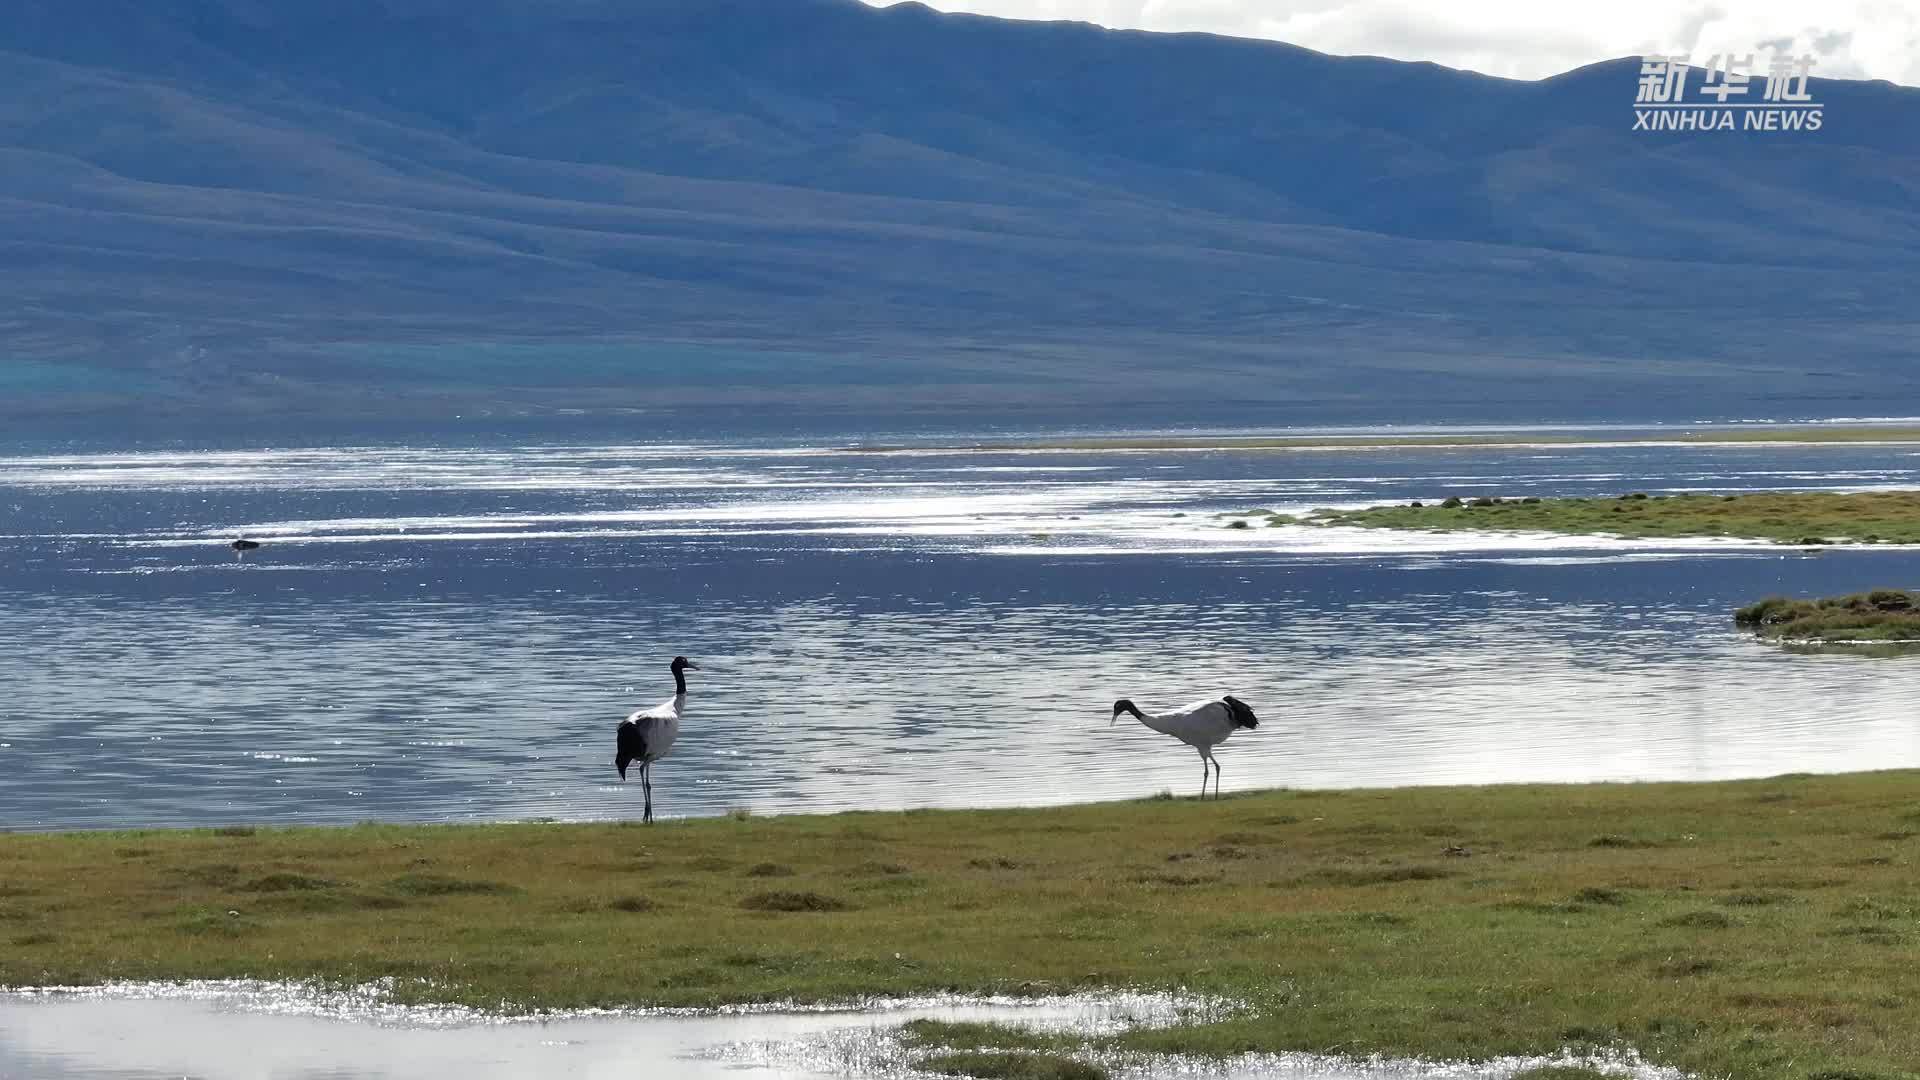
x: 648, y: 735
x: 1202, y: 725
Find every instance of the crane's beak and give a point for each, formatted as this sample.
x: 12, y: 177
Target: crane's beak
x: 693, y: 666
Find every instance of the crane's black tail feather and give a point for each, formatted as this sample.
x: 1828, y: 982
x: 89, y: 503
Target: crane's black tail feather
x: 1242, y: 715
x: 629, y: 746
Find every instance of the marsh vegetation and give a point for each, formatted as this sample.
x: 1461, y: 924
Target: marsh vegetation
x: 1800, y: 518
x: 1883, y: 615
x: 1759, y: 929
x: 1812, y: 434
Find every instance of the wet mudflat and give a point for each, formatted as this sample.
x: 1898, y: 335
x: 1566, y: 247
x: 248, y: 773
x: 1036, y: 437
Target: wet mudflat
x: 251, y: 1030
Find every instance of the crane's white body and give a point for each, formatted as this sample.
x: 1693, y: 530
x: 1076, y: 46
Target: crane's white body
x: 1202, y: 725
x: 648, y: 735
x: 657, y: 727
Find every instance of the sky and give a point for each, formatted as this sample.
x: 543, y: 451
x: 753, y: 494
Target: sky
x: 1850, y: 39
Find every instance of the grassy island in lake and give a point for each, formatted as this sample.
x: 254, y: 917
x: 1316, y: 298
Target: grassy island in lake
x: 1761, y: 929
x: 1791, y: 434
x: 1880, y: 615
x: 1789, y: 517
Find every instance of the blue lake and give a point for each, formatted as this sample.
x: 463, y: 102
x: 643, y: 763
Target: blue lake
x: 449, y: 629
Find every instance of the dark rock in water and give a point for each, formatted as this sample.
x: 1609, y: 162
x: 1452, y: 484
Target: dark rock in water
x: 244, y: 545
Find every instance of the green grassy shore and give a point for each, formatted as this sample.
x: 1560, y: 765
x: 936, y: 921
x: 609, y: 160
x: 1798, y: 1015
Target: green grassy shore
x: 1789, y: 517
x: 1759, y: 929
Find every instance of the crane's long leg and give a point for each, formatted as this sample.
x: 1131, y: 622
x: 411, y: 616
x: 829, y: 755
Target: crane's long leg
x: 646, y: 788
x: 1203, y: 772
x: 1216, y: 778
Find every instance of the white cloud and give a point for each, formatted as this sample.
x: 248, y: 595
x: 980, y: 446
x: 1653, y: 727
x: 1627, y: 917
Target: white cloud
x: 1528, y: 39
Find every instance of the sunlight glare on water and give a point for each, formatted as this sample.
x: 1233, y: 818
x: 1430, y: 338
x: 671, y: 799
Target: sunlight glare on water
x: 451, y: 632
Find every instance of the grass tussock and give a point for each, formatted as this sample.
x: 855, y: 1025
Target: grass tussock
x: 1775, y: 942
x: 443, y: 885
x: 1879, y: 615
x: 1699, y: 920
x: 1756, y: 899
x: 981, y: 1035
x: 1379, y: 875
x: 786, y: 900
x: 286, y: 882
x: 1615, y: 840
x: 1011, y: 1065
x: 1807, y: 519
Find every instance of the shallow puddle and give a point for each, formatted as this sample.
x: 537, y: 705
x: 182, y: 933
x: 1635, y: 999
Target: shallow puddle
x: 263, y: 1031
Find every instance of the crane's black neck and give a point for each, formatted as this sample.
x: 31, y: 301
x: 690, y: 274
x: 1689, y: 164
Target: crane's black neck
x: 679, y: 682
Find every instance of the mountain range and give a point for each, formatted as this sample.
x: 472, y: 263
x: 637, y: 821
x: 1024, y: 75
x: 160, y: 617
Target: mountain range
x: 404, y: 207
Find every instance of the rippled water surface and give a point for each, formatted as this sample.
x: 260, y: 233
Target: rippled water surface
x: 451, y: 632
